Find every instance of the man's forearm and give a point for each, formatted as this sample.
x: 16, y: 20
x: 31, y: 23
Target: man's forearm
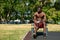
x: 43, y: 20
x: 35, y: 21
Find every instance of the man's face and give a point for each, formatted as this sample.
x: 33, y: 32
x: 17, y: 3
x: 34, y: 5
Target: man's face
x: 39, y: 10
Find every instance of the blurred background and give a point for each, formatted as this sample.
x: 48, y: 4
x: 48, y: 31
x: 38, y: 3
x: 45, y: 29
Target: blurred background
x: 21, y: 11
x: 16, y: 17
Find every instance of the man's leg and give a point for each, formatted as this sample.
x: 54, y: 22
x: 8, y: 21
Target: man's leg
x: 35, y: 31
x: 44, y: 29
x: 35, y: 28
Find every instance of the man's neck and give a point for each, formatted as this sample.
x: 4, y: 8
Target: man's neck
x: 39, y: 12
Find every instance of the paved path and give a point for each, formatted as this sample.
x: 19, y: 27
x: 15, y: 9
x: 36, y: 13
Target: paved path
x: 51, y: 36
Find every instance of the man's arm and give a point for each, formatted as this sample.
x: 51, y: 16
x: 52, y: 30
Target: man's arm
x: 34, y: 19
x: 44, y: 19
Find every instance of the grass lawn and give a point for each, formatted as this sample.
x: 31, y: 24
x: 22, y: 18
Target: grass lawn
x: 13, y: 31
x: 18, y: 31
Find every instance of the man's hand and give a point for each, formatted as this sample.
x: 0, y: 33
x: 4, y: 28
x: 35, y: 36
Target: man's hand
x: 38, y: 21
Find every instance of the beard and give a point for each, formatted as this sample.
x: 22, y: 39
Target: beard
x: 39, y: 12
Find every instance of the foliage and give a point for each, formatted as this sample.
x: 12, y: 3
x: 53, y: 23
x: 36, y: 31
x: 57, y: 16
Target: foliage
x: 16, y: 9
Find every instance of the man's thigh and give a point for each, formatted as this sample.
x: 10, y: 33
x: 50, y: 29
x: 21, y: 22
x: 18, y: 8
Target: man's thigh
x: 36, y: 27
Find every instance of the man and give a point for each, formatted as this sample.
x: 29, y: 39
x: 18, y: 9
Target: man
x: 39, y: 21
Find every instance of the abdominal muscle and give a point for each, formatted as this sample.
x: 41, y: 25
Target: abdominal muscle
x: 40, y: 24
x: 39, y: 19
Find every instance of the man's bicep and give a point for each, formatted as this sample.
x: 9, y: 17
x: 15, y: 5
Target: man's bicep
x: 45, y: 17
x: 34, y: 17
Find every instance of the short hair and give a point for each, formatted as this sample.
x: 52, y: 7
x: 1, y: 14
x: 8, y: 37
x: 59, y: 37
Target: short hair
x: 39, y: 7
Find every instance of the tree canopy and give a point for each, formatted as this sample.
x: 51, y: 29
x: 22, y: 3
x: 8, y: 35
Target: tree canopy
x: 24, y: 9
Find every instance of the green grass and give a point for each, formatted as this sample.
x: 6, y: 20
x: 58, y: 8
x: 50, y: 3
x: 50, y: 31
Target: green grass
x: 17, y: 32
x: 12, y: 34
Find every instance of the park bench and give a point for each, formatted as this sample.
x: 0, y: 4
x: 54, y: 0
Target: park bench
x: 32, y: 29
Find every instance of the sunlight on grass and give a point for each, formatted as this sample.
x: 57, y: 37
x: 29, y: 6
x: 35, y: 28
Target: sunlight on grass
x: 12, y: 32
x: 17, y: 32
x: 53, y: 27
x: 9, y: 35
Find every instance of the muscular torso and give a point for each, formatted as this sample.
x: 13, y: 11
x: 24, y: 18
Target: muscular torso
x: 39, y: 16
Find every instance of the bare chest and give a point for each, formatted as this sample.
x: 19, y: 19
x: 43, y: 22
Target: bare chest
x: 39, y: 16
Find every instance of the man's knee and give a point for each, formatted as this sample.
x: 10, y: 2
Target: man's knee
x: 36, y: 28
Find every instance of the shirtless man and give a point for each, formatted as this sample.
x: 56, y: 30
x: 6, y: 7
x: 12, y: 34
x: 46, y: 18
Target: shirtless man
x: 39, y: 21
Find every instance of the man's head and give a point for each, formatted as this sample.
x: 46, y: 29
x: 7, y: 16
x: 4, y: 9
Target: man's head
x: 39, y: 9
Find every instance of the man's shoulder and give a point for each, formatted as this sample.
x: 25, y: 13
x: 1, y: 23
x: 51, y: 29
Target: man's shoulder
x: 43, y: 13
x: 35, y: 13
